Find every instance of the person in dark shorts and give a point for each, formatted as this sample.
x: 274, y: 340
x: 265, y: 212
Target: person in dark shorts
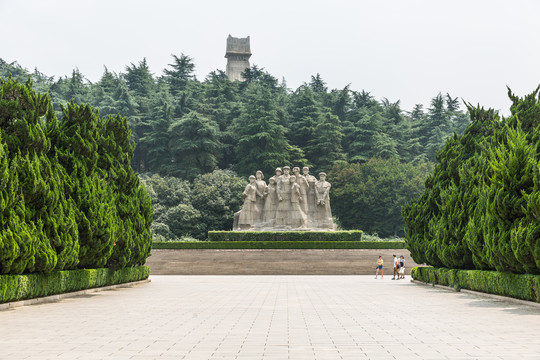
x: 379, y: 267
x: 396, y: 268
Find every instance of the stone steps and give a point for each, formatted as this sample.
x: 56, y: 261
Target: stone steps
x: 273, y: 262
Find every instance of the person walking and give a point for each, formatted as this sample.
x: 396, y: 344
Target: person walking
x: 396, y: 268
x: 402, y: 267
x: 379, y: 267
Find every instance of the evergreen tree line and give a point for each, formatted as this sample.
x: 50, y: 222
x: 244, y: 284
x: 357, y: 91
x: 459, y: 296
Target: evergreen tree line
x: 481, y: 206
x: 68, y: 195
x: 184, y: 128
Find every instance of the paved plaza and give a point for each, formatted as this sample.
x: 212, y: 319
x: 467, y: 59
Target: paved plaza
x: 272, y: 317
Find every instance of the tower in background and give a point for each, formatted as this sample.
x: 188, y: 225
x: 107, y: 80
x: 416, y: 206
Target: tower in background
x: 238, y: 54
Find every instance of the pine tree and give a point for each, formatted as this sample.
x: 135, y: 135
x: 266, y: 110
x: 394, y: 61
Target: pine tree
x: 438, y: 127
x: 261, y: 141
x: 194, y: 144
x: 324, y: 148
x: 181, y: 72
x: 156, y: 140
x: 139, y: 79
x: 305, y: 115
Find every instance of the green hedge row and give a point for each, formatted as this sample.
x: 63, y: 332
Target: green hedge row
x: 21, y: 287
x: 353, y: 235
x: 281, y: 245
x: 520, y: 286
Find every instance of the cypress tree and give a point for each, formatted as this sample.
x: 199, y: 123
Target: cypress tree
x: 484, y: 205
x: 511, y: 177
x: 67, y: 190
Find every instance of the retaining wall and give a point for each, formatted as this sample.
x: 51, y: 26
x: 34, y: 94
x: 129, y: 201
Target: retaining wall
x: 273, y: 262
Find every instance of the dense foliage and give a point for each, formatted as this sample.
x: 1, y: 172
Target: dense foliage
x: 481, y: 206
x: 192, y: 209
x: 30, y: 286
x: 369, y: 195
x: 68, y: 196
x: 520, y: 286
x: 182, y: 128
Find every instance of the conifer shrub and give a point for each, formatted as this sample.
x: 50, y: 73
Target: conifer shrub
x: 68, y: 196
x: 481, y: 206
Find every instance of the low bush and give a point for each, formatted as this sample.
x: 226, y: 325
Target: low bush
x: 281, y: 245
x: 353, y: 235
x: 520, y: 286
x: 21, y: 287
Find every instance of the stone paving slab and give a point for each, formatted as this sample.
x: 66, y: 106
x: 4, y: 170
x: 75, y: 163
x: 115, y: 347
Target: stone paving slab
x: 53, y: 298
x: 272, y: 317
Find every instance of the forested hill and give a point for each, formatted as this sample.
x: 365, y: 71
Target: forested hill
x: 189, y: 135
x: 184, y: 127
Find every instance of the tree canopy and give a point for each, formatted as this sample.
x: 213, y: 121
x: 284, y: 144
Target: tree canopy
x: 252, y: 124
x: 185, y: 128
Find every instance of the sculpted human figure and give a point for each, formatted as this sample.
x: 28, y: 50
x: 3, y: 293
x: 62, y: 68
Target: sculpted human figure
x: 323, y: 211
x: 283, y: 185
x: 249, y: 211
x: 261, y: 186
x: 270, y: 204
x: 284, y: 197
x: 304, y: 188
x: 277, y: 176
x: 297, y: 216
x: 288, y: 201
x: 311, y: 198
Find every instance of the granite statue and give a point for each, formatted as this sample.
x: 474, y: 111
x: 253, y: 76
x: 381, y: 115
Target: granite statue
x: 287, y: 202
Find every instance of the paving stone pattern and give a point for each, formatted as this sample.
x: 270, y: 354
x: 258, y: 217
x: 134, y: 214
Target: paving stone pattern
x: 272, y: 317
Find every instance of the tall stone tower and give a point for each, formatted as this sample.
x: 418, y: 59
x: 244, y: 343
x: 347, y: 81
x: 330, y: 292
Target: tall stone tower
x: 238, y: 54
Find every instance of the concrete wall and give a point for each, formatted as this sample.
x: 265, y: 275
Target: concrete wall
x: 235, y: 68
x: 273, y: 262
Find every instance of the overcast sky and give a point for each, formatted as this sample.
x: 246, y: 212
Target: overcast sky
x: 406, y: 50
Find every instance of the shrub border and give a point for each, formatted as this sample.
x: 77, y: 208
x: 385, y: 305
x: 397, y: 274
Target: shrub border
x: 519, y: 286
x: 30, y: 286
x: 352, y: 235
x: 280, y: 245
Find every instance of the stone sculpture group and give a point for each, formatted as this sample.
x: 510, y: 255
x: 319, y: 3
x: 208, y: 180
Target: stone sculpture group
x: 287, y: 202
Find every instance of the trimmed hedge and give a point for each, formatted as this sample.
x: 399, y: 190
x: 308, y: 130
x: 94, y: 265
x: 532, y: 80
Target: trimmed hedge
x: 353, y: 235
x: 21, y: 287
x: 520, y: 286
x: 281, y: 245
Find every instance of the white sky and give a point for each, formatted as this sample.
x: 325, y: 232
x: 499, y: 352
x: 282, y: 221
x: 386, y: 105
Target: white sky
x: 399, y: 49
